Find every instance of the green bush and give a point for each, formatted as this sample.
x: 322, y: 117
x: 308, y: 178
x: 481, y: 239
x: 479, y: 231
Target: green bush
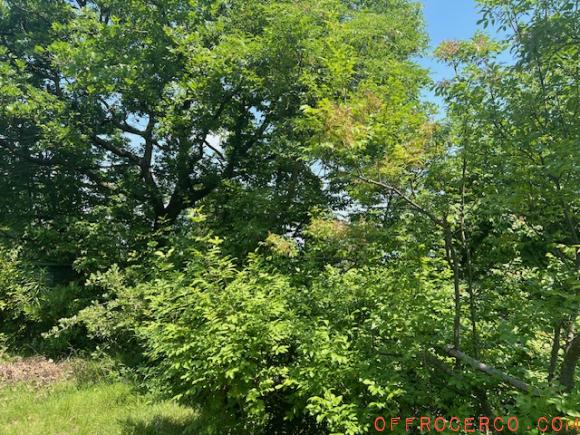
x: 267, y: 354
x: 30, y: 306
x: 20, y: 289
x: 259, y: 350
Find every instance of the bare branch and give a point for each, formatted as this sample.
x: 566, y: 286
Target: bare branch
x: 215, y: 150
x: 404, y: 197
x: 478, y: 365
x: 119, y: 152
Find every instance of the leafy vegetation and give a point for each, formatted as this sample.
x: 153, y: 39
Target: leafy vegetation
x: 108, y: 408
x: 248, y: 207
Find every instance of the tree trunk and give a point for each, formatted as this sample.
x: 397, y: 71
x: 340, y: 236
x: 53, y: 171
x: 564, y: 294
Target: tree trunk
x: 568, y: 370
x: 452, y: 260
x: 555, y: 351
x: 467, y: 266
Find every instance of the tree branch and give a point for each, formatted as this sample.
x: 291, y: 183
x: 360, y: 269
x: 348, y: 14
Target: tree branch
x: 119, y: 152
x: 405, y: 198
x: 478, y: 365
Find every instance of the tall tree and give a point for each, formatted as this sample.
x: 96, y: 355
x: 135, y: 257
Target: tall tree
x: 156, y: 104
x: 520, y: 119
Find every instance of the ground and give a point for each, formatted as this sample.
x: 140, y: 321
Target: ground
x: 41, y: 397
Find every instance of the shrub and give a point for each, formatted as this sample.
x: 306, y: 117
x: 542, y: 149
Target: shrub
x: 260, y: 351
x: 20, y: 288
x: 265, y: 353
x: 30, y: 306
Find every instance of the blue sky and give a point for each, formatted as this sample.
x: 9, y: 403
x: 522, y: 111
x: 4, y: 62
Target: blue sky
x: 447, y: 19
x: 452, y: 19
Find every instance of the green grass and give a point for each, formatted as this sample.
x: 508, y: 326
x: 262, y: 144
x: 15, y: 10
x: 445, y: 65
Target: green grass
x: 103, y: 408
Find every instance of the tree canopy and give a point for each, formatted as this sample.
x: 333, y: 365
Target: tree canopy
x: 250, y: 205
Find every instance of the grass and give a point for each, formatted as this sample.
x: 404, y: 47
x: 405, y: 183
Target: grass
x: 102, y: 408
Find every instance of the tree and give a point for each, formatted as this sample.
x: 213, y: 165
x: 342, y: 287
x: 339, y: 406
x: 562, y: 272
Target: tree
x: 520, y: 121
x: 156, y: 104
x: 492, y: 188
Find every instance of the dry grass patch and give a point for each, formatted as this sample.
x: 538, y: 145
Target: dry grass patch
x: 37, y: 371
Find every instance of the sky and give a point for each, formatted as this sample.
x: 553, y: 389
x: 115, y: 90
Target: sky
x: 448, y: 19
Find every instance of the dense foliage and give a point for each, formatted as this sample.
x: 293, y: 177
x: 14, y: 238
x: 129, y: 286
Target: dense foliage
x: 249, y: 205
